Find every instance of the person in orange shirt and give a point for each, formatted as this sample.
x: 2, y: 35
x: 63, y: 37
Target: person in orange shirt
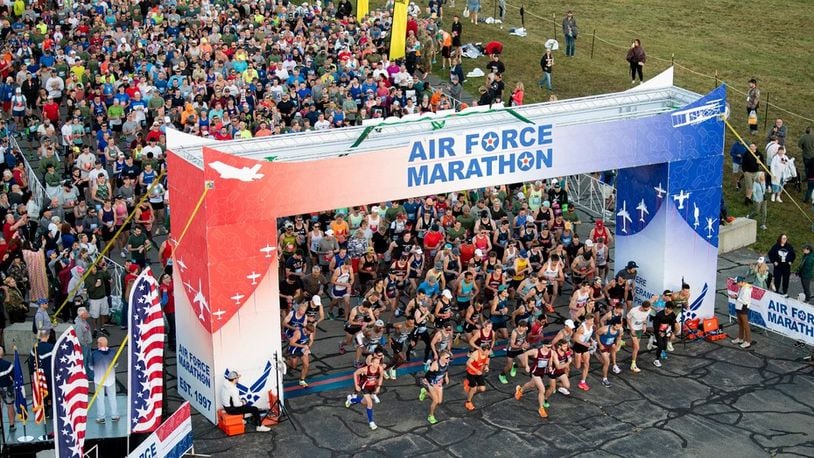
x: 446, y: 49
x: 341, y: 229
x: 476, y: 367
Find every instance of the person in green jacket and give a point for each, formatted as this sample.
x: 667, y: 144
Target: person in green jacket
x: 806, y: 271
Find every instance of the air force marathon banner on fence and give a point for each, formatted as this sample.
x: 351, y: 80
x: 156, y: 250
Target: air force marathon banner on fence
x: 225, y: 271
x: 769, y: 310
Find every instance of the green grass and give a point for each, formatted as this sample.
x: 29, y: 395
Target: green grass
x: 735, y: 39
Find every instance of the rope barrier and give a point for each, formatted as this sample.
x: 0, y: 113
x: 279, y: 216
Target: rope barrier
x: 191, y: 217
x: 763, y: 165
x: 104, y: 251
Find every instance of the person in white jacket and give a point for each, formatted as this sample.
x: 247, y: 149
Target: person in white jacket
x: 782, y: 168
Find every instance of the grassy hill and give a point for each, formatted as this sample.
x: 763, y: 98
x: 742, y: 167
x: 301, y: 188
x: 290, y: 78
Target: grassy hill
x: 708, y: 41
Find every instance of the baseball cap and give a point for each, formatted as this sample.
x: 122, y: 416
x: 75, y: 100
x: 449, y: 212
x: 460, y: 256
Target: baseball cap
x: 316, y: 300
x: 329, y: 232
x: 379, y: 323
x: 761, y: 260
x: 232, y: 375
x: 632, y: 265
x: 447, y: 294
x: 589, y: 243
x: 570, y: 324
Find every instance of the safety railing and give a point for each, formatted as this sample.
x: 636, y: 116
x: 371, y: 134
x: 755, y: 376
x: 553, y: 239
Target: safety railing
x: 34, y: 184
x: 593, y: 196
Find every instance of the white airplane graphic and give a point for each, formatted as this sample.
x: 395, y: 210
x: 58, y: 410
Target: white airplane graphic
x: 696, y: 213
x: 182, y: 265
x: 710, y: 222
x: 697, y: 115
x: 659, y: 191
x: 245, y: 174
x: 680, y: 198
x: 237, y: 297
x: 219, y: 314
x: 625, y: 216
x: 201, y: 301
x: 253, y: 277
x: 268, y: 249
x: 189, y: 287
x: 642, y: 210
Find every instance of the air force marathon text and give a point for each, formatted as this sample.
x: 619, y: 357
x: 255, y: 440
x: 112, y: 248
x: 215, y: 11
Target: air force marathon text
x: 480, y: 154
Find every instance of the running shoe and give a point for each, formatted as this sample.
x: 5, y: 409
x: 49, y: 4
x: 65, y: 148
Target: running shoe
x: 422, y: 395
x: 348, y: 401
x: 466, y: 386
x: 650, y: 344
x: 635, y: 368
x: 373, y: 426
x: 303, y: 383
x: 513, y: 372
x: 341, y: 349
x: 431, y: 419
x: 621, y: 343
x: 737, y: 341
x: 746, y: 345
x: 518, y: 392
x: 564, y: 391
x: 657, y: 363
x: 616, y: 369
x: 546, y: 404
x: 262, y: 429
x: 427, y: 365
x: 583, y: 386
x: 375, y: 398
x: 542, y: 412
x: 469, y: 406
x: 386, y: 374
x: 670, y: 346
x: 503, y: 379
x: 606, y: 383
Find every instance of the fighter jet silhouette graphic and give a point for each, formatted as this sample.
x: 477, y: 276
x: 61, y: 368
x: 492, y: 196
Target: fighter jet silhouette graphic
x: 625, y: 216
x: 642, y: 208
x: 245, y: 174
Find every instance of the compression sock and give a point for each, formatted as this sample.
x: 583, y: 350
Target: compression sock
x: 356, y: 399
x: 369, y: 415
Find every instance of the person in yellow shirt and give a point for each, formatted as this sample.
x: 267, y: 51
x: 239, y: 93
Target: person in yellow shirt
x: 243, y: 131
x: 19, y: 8
x: 78, y: 70
x: 250, y: 74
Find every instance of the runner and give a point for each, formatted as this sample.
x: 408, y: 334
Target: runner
x: 500, y: 312
x: 553, y: 273
x: 370, y: 338
x: 367, y: 382
x: 560, y: 369
x: 441, y: 341
x: 433, y: 383
x: 664, y: 326
x: 583, y: 343
x: 340, y: 291
x: 518, y: 344
x: 473, y: 320
x: 299, y: 349
x: 476, y: 368
x: 609, y: 336
x: 541, y: 366
x: 577, y: 307
x: 637, y: 319
x: 358, y: 318
x: 402, y: 334
x: 422, y: 317
x: 485, y: 337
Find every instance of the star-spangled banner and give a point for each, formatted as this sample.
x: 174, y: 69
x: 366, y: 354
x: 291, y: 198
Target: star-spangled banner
x: 145, y: 355
x: 70, y: 396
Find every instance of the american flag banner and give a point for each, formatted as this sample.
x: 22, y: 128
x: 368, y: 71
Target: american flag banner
x: 39, y: 385
x: 70, y: 396
x: 145, y: 355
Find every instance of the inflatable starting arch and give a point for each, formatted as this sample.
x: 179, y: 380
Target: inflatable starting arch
x: 666, y: 142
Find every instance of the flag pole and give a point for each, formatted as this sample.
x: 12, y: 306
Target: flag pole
x: 23, y: 416
x: 44, y: 436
